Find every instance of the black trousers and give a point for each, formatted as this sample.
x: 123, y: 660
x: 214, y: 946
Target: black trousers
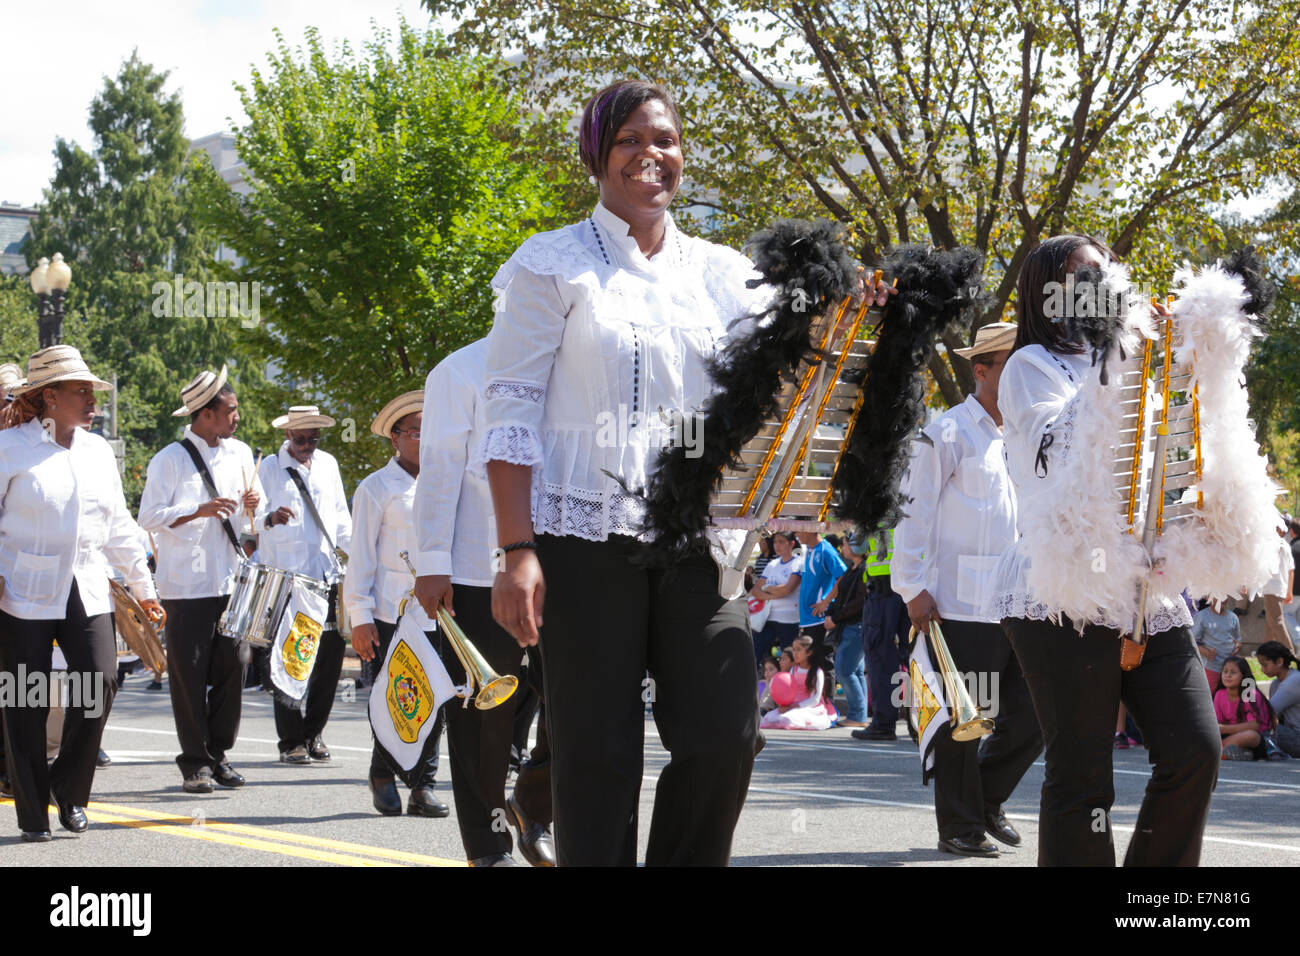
x: 976, y: 777
x: 480, y: 740
x: 382, y: 765
x: 1077, y: 688
x: 609, y: 620
x: 533, y: 782
x: 90, y: 648
x: 884, y: 630
x: 298, y: 721
x: 206, y: 679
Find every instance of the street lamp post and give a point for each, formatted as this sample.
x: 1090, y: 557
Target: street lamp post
x: 50, y: 280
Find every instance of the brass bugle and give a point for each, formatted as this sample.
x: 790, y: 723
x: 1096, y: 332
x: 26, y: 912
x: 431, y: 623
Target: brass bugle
x: 493, y: 689
x: 967, y: 724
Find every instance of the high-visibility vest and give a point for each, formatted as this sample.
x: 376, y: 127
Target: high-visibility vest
x: 880, y: 548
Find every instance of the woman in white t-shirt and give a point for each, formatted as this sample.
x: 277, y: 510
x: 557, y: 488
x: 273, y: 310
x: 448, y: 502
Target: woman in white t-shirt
x: 780, y: 589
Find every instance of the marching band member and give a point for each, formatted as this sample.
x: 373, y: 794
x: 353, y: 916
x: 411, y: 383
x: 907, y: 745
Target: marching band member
x: 1075, y: 679
x: 383, y: 526
x: 307, y: 521
x: 961, y: 517
x: 192, y: 488
x: 63, y: 522
x: 602, y: 334
x: 455, y: 529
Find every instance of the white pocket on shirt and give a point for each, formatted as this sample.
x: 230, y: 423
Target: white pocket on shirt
x: 35, y: 577
x: 974, y: 574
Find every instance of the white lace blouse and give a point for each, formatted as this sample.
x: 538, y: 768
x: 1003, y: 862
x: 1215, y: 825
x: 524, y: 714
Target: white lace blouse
x: 1037, y: 398
x: 595, y: 354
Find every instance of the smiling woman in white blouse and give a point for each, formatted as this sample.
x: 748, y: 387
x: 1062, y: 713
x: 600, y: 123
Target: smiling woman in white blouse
x: 602, y: 332
x: 63, y: 525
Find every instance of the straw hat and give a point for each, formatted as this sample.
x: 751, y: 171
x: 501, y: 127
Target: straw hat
x: 11, y: 376
x: 58, y: 363
x: 396, y: 410
x: 202, y: 389
x: 302, y: 417
x: 994, y: 337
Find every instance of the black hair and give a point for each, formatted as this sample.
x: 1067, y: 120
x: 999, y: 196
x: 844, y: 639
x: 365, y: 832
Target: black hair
x: 226, y: 389
x: 1277, y: 651
x: 835, y: 541
x: 1046, y: 265
x: 605, y: 113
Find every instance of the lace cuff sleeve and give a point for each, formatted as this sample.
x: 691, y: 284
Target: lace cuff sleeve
x: 516, y: 444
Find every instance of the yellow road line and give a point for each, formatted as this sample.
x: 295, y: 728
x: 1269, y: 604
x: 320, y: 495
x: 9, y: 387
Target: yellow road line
x: 322, y: 842
x: 249, y: 837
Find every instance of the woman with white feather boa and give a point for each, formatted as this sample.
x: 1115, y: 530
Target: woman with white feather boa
x: 1069, y: 587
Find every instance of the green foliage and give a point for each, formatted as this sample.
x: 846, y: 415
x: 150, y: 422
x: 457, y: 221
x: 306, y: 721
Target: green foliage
x: 120, y: 215
x: 385, y: 193
x: 993, y: 124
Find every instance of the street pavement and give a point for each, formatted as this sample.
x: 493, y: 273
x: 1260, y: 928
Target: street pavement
x: 816, y: 799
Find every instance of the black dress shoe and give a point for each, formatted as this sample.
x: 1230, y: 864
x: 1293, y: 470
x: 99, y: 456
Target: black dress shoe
x: 226, y: 775
x: 385, y: 798
x: 535, y: 842
x: 317, y: 750
x: 198, y: 782
x: 103, y: 759
x: 37, y: 836
x: 873, y: 733
x: 425, y: 803
x: 71, y: 818
x: 298, y: 756
x: 496, y: 859
x: 1001, y: 830
x: 964, y: 846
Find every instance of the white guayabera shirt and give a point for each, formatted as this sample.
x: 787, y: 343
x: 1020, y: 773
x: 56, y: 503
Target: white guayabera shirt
x: 453, y: 505
x: 298, y: 544
x: 595, y: 354
x: 383, y: 508
x: 63, y: 517
x: 961, y: 517
x: 196, y: 560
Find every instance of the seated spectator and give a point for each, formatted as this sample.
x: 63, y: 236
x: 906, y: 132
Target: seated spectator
x: 779, y: 587
x: 1277, y: 662
x: 1218, y: 636
x: 1244, y: 716
x: 786, y: 661
x: 765, y: 701
x: 800, y: 695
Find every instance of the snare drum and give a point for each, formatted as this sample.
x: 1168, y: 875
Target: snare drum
x: 259, y: 601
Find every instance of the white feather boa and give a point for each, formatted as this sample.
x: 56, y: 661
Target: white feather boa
x: 1081, y: 560
x: 1232, y: 541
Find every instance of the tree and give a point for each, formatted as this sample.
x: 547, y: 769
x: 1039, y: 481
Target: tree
x: 385, y: 193
x: 120, y: 214
x: 992, y: 124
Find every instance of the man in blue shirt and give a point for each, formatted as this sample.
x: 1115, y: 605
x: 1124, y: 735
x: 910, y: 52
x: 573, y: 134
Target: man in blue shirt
x: 822, y: 567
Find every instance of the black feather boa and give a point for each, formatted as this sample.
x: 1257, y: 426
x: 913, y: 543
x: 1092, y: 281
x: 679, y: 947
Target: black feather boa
x: 1246, y: 264
x: 936, y: 290
x: 1095, y: 316
x: 808, y: 264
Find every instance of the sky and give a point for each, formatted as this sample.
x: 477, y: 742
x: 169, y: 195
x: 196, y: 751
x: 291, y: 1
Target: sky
x: 207, y: 46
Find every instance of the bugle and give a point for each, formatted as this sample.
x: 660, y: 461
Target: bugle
x: 493, y: 689
x: 967, y: 724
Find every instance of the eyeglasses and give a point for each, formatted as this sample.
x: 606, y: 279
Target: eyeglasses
x: 411, y: 433
x: 302, y: 441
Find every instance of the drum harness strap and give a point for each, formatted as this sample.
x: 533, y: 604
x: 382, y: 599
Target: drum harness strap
x: 311, y: 507
x: 202, y: 466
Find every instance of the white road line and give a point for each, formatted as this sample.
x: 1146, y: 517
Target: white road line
x: 1031, y: 817
x: 241, y: 740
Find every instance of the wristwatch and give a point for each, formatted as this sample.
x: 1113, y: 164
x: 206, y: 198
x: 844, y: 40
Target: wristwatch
x: 499, y: 554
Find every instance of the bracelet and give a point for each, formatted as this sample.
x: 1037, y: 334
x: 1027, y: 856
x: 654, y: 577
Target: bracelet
x: 530, y: 545
x: 499, y: 554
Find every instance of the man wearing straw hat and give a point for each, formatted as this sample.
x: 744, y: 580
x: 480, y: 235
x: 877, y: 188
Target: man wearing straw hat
x: 383, y: 527
x: 192, y: 490
x: 308, y: 526
x: 962, y: 516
